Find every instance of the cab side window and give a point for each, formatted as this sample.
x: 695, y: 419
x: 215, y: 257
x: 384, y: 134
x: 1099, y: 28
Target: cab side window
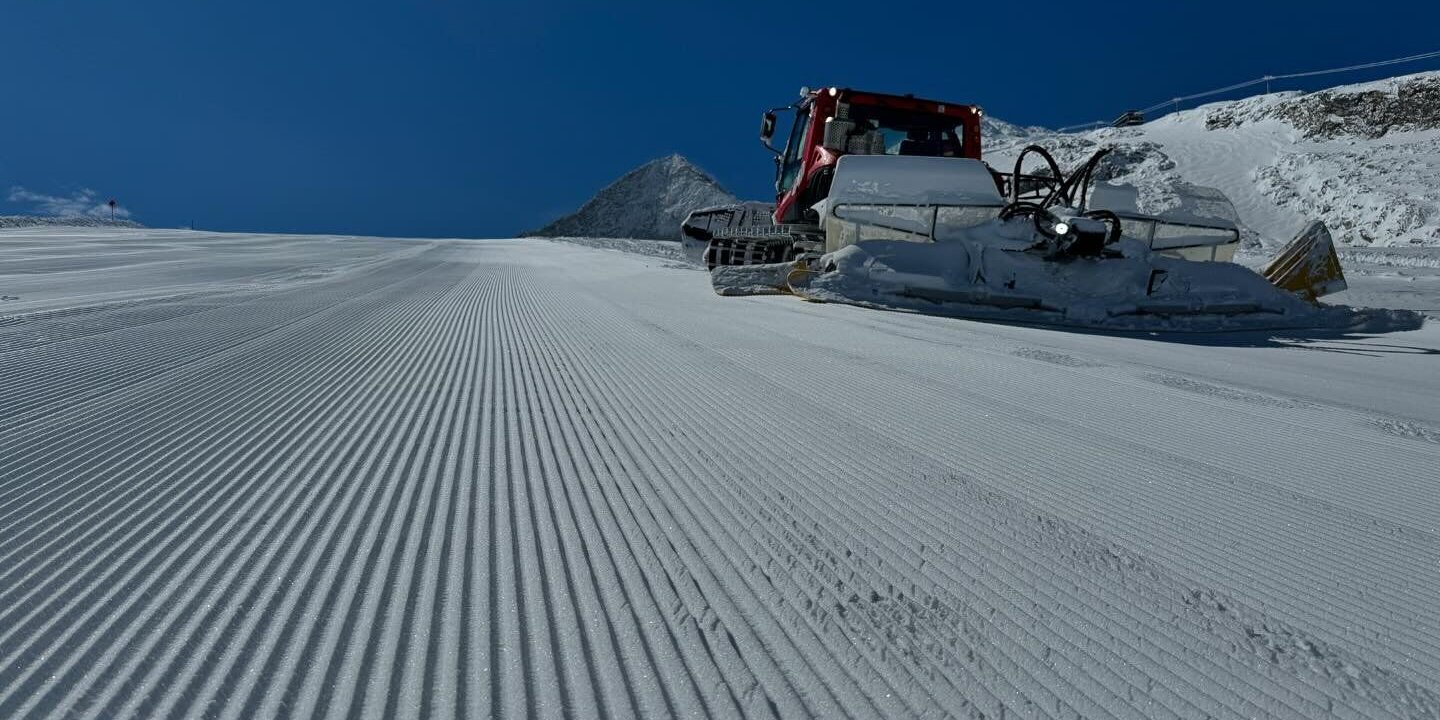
x: 794, y: 151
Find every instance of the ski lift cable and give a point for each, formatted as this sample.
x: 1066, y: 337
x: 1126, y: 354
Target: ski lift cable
x: 1269, y: 78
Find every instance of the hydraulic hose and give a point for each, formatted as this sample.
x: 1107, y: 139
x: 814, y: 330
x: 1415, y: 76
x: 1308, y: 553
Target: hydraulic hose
x: 1019, y: 163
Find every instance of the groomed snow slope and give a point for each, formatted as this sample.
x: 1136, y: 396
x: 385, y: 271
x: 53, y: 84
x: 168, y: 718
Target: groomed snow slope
x: 259, y: 476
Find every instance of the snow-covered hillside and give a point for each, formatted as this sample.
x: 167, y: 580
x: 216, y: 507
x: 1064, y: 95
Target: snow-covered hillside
x: 997, y: 133
x: 1363, y: 158
x: 19, y: 221
x: 648, y: 202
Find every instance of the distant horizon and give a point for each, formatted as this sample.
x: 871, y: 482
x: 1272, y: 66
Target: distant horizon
x: 450, y: 120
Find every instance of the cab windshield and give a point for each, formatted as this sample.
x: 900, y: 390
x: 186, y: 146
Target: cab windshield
x: 905, y: 132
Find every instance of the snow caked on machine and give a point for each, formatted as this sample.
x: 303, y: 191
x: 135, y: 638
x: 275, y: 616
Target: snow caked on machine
x: 883, y: 200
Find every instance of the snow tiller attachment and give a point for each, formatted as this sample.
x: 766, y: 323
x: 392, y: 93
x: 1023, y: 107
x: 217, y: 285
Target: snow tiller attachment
x: 892, y: 207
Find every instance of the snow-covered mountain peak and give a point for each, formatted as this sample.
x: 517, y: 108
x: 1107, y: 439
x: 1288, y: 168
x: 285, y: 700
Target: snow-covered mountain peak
x: 648, y: 202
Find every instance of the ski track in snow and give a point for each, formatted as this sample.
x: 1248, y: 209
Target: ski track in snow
x: 267, y: 476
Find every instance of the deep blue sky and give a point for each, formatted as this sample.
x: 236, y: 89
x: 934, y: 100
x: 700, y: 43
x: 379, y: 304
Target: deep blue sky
x: 472, y: 119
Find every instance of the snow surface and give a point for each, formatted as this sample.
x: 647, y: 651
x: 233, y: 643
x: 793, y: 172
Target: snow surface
x: 258, y: 475
x: 886, y: 179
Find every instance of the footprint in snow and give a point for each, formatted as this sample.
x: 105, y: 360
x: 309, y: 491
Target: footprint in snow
x: 1408, y: 430
x: 1052, y: 357
x: 1219, y: 391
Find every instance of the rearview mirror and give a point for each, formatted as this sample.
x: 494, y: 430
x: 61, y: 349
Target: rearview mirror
x: 767, y: 127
